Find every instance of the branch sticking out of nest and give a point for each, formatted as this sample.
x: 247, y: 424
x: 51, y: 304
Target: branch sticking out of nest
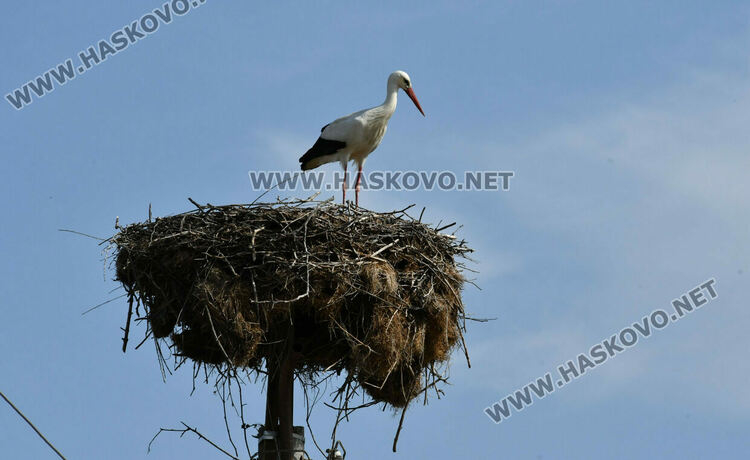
x: 375, y: 294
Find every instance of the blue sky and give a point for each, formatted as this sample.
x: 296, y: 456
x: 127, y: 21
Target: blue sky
x: 626, y: 126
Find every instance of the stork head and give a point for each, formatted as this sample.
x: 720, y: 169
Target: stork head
x: 400, y: 79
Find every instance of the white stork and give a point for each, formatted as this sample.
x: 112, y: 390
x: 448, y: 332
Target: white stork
x: 355, y: 136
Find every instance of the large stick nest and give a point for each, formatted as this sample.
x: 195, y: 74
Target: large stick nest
x: 375, y: 294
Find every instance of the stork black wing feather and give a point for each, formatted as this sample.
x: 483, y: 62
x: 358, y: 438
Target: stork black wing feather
x: 321, y: 148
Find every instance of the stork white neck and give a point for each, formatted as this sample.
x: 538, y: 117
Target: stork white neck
x: 391, y: 97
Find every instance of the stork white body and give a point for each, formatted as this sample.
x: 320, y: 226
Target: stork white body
x: 355, y: 136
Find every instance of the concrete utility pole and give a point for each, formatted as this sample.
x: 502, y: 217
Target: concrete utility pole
x: 278, y: 440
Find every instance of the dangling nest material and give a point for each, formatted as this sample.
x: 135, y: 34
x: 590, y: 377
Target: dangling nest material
x: 377, y: 295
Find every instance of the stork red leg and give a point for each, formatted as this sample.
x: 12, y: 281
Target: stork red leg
x: 356, y: 187
x: 343, y: 186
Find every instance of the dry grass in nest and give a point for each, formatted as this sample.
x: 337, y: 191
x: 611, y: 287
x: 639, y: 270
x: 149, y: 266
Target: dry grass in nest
x: 375, y: 294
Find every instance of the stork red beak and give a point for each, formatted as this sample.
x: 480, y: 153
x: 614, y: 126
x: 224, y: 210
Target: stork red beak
x: 413, y: 97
